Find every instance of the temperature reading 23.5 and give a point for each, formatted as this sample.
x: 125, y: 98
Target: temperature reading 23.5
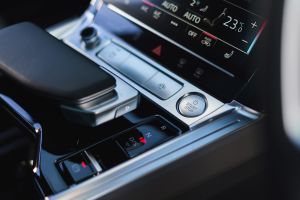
x: 234, y: 24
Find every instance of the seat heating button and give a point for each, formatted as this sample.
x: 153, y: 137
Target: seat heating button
x: 192, y: 105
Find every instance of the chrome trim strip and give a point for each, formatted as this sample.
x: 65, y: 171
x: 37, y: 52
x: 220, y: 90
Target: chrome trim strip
x: 92, y: 96
x: 32, y: 127
x: 290, y: 70
x: 94, y: 162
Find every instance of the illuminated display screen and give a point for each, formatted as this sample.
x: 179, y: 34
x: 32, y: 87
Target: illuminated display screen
x: 198, y: 23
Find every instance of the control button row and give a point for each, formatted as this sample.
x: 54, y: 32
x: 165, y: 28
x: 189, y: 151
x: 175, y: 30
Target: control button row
x: 139, y: 71
x: 109, y: 153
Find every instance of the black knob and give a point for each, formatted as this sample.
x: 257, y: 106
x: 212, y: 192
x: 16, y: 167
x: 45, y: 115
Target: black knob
x: 90, y: 37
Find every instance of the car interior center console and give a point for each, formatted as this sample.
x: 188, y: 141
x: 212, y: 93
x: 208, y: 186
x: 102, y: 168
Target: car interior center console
x: 178, y: 68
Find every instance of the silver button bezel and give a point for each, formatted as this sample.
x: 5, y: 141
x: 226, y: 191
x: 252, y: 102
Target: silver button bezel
x: 187, y: 95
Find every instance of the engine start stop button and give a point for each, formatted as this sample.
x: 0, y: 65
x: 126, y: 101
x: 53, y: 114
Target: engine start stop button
x: 192, y: 105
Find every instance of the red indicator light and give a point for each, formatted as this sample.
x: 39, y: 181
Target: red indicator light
x: 83, y: 164
x: 148, y: 3
x: 210, y: 35
x: 142, y: 140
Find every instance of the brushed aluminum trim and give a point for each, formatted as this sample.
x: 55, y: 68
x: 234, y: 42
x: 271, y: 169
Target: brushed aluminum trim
x: 169, y: 105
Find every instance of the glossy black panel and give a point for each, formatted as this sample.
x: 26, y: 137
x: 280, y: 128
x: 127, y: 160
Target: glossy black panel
x: 220, y: 21
x: 210, y: 67
x: 146, y: 136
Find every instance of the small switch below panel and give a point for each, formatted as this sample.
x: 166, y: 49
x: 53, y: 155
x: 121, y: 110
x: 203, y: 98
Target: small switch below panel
x: 146, y: 136
x: 77, y: 168
x: 162, y: 86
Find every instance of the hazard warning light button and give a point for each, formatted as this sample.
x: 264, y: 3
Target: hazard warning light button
x: 157, y: 50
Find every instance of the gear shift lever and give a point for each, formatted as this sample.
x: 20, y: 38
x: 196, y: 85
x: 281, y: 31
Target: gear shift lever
x: 45, y: 67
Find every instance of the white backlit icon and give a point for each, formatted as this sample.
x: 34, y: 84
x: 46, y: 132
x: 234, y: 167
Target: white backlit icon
x: 228, y: 55
x: 206, y: 41
x: 254, y: 24
x: 204, y: 9
x: 156, y: 14
x: 145, y: 8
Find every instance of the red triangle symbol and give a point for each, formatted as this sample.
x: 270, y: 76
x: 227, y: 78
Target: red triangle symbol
x: 157, y: 50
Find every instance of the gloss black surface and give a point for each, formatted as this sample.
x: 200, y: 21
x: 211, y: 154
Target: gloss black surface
x: 206, y: 67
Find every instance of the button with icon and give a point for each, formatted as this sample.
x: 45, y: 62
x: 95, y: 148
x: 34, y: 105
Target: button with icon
x: 157, y: 14
x: 228, y: 56
x: 198, y: 73
x: 77, y: 168
x: 182, y: 62
x: 192, y: 105
x: 162, y: 86
x: 207, y: 40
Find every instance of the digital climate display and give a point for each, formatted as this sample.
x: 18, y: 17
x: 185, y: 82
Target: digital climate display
x: 210, y: 43
x: 196, y: 23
